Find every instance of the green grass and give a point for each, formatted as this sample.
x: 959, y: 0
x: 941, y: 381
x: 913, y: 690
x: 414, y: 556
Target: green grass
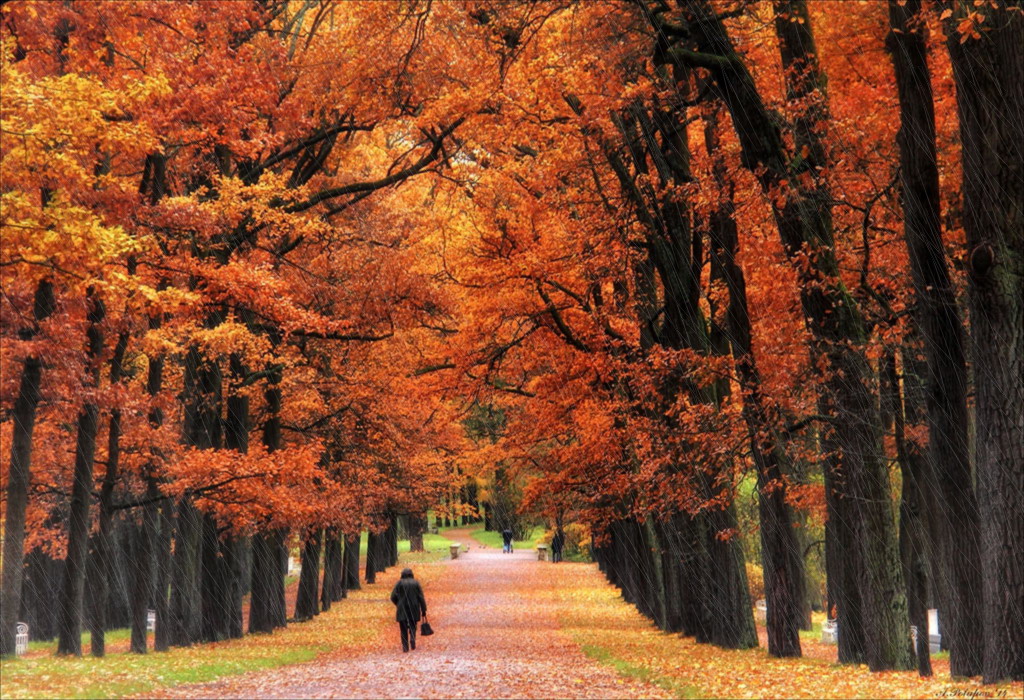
x: 812, y: 634
x: 629, y: 670
x: 491, y: 538
x: 435, y: 548
x: 111, y: 637
x: 118, y: 675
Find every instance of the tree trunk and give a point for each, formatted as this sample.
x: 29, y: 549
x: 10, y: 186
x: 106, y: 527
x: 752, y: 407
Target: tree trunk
x: 235, y: 551
x: 938, y: 318
x: 142, y: 579
x: 306, y: 607
x: 238, y: 563
x: 185, y: 612
x: 104, y: 561
x: 732, y: 616
x: 263, y: 567
x: 152, y: 528
x: 352, y: 563
x: 393, y: 541
x: 372, y: 547
x: 197, y: 586
x: 417, y: 524
x: 214, y: 583
x: 782, y: 558
x: 841, y: 557
x: 39, y: 596
x: 266, y: 603
x: 805, y: 226
x: 915, y: 471
x: 989, y: 75
x: 330, y: 590
x: 73, y: 585
x: 24, y: 422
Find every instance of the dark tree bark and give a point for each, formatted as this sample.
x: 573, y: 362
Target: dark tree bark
x: 989, y: 75
x: 24, y: 417
x: 185, y: 609
x: 352, y: 563
x: 306, y: 607
x: 164, y: 623
x: 330, y: 590
x: 417, y: 525
x: 264, y: 568
x: 782, y: 558
x: 234, y: 550
x: 214, y: 582
x: 392, y: 541
x: 373, y: 547
x: 915, y: 471
x: 69, y: 623
x: 941, y: 329
x: 238, y: 557
x: 104, y: 560
x: 717, y: 601
x: 805, y: 226
x: 195, y: 596
x: 142, y: 578
x: 266, y: 603
x: 842, y: 557
x: 39, y: 595
x: 156, y: 535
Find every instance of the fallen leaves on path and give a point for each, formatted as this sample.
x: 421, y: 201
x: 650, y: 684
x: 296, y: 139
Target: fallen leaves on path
x: 493, y: 640
x: 507, y: 626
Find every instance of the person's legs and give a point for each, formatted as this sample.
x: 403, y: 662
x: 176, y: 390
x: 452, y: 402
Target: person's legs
x: 404, y: 627
x: 412, y: 635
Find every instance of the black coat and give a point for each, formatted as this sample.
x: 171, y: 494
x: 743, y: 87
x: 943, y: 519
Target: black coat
x: 409, y: 601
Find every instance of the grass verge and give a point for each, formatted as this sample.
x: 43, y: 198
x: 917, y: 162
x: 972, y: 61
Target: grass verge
x: 351, y: 625
x: 491, y: 538
x: 625, y: 668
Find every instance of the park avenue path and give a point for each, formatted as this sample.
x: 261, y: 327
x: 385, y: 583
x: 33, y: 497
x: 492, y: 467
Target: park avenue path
x: 497, y: 635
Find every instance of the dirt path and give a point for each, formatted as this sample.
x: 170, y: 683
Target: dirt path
x: 492, y: 640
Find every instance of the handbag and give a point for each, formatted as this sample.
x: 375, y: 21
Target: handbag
x: 425, y: 629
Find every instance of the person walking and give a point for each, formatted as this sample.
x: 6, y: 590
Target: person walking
x: 506, y: 536
x: 557, y: 543
x: 410, y: 604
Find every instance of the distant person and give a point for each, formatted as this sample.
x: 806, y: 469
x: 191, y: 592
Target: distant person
x: 506, y: 536
x: 557, y: 543
x: 410, y: 605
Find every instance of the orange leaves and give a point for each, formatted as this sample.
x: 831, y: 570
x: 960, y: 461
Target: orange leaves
x: 254, y: 490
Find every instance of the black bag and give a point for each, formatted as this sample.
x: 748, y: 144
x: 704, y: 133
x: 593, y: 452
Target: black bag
x: 425, y: 629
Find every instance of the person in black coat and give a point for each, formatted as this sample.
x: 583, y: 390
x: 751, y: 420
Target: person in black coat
x: 410, y: 604
x: 506, y: 537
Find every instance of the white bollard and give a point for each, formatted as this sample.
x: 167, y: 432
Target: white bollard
x: 21, y: 639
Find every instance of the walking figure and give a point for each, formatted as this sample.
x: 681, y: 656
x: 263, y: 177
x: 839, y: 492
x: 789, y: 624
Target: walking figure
x: 410, y: 605
x: 557, y: 543
x: 506, y: 536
